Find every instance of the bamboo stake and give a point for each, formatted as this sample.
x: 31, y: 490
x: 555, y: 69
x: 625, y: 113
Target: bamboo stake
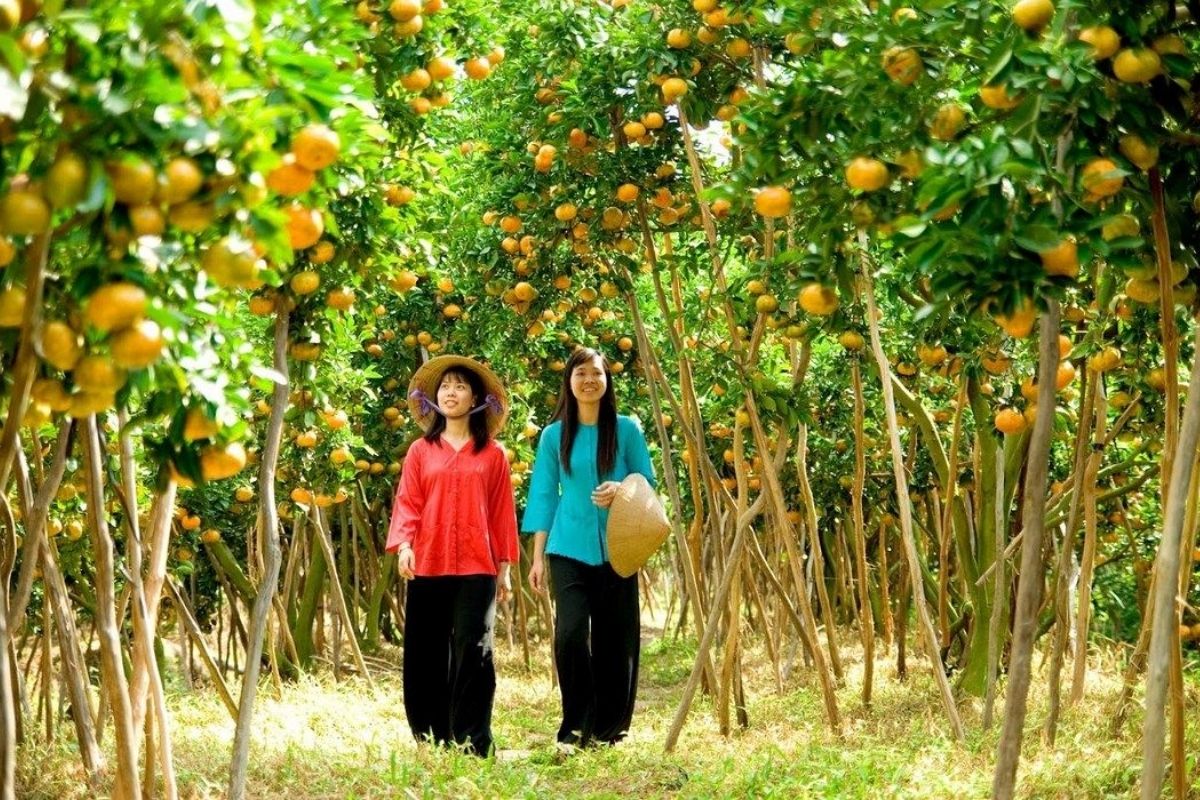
x: 902, y: 498
x: 1164, y: 612
x: 268, y: 529
x: 1029, y: 589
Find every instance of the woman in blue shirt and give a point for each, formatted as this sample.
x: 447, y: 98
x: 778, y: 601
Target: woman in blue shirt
x: 582, y: 456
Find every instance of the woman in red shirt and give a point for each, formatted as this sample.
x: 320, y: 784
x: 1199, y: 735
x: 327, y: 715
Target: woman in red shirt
x: 454, y: 527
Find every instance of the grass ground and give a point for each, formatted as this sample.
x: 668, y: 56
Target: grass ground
x: 322, y: 738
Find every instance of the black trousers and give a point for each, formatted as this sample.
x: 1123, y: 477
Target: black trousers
x: 597, y: 678
x: 449, y: 674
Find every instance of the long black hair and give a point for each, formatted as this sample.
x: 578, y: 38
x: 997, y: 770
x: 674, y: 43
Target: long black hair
x: 567, y: 411
x: 477, y: 423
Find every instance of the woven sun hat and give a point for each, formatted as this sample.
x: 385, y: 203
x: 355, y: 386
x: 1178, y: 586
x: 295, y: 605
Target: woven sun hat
x: 637, y: 525
x: 422, y: 391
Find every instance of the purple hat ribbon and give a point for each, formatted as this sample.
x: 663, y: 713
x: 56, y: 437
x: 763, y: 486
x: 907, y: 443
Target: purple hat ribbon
x: 427, y: 405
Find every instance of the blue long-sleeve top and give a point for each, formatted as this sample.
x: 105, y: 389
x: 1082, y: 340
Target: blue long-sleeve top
x: 562, y: 504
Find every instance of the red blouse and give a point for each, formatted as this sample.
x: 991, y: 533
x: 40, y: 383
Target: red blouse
x: 456, y: 509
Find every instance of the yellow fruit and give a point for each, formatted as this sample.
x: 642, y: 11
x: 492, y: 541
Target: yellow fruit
x: 1062, y: 259
x: 180, y: 180
x: 1107, y: 359
x: 1064, y: 376
x: 115, y: 306
x: 866, y: 174
x: 305, y: 282
x: 340, y: 299
x: 133, y: 180
x: 673, y: 89
x: 1033, y: 15
x: 440, y: 68
x: 1143, y: 291
x: 61, y: 345
x: 147, y: 220
x: 137, y: 346
x: 24, y: 213
x: 1101, y: 178
x: 1137, y: 65
x: 218, y: 462
x: 416, y: 81
x: 633, y: 130
x: 902, y: 64
x: 565, y: 212
x: 851, y: 340
x: 996, y: 96
x: 399, y: 195
x: 231, y: 262
x: 627, y: 192
x: 98, y: 375
x: 678, y: 38
x: 1121, y: 225
x: 210, y: 536
x: 773, y: 202
x: 766, y: 304
x: 818, y: 300
x: 1143, y: 156
x: 12, y: 307
x: 1104, y: 40
x: 66, y: 180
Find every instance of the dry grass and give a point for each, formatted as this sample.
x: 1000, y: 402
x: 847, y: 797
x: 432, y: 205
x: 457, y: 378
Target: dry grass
x: 325, y: 739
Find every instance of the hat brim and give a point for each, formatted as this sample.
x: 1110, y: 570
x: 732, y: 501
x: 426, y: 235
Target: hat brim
x: 637, y: 525
x: 429, y: 375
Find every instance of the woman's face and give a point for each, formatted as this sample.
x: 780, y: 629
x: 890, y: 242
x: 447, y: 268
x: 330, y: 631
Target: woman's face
x: 454, y: 396
x: 588, y: 381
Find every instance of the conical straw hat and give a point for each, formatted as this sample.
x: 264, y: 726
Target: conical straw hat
x: 429, y: 376
x: 637, y: 525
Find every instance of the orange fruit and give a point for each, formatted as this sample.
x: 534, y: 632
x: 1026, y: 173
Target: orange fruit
x: 1033, y: 15
x: 947, y: 121
x: 147, y: 220
x: 866, y: 174
x: 231, y: 262
x: 1019, y: 323
x: 1104, y: 40
x: 24, y: 212
x: 1009, y: 421
x: 66, y: 180
x: 851, y: 340
x: 61, y: 345
x: 198, y: 425
x: 673, y: 89
x: 773, y: 202
x: 115, y: 306
x: 316, y: 147
x: 133, y: 179
x: 1143, y: 156
x: 477, y: 68
x: 398, y: 195
x: 305, y: 282
x: 190, y: 216
x: 818, y: 300
x: 1107, y: 359
x: 903, y: 65
x: 1137, y: 65
x: 210, y: 536
x: 98, y: 374
x: 290, y: 178
x: 417, y: 80
x: 180, y: 180
x: 678, y: 38
x: 304, y: 226
x: 1062, y: 259
x: 411, y: 27
x: 996, y: 96
x: 1101, y: 177
x: 1064, y: 376
x: 322, y: 252
x: 12, y: 307
x: 627, y: 192
x: 440, y: 68
x: 404, y: 10
x: 137, y: 346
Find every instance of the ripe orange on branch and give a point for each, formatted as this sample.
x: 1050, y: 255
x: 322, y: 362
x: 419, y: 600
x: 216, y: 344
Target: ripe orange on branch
x: 115, y: 306
x: 316, y: 147
x: 1033, y: 15
x: 1104, y: 40
x: 1137, y: 65
x: 1101, y: 178
x: 903, y: 65
x: 773, y: 202
x: 866, y: 174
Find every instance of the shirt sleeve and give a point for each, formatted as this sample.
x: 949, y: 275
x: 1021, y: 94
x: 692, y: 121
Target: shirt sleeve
x: 637, y: 454
x: 502, y: 512
x: 409, y: 502
x: 542, y: 503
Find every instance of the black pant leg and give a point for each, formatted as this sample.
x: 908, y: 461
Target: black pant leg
x: 473, y: 670
x: 616, y: 647
x: 427, y: 627
x: 569, y: 582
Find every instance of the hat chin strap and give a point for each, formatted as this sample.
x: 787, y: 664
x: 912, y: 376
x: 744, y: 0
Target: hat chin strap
x: 491, y: 402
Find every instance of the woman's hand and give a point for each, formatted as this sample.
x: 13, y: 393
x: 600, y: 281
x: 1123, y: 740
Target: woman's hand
x: 604, y: 494
x: 503, y: 583
x: 537, y: 575
x: 405, y: 562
